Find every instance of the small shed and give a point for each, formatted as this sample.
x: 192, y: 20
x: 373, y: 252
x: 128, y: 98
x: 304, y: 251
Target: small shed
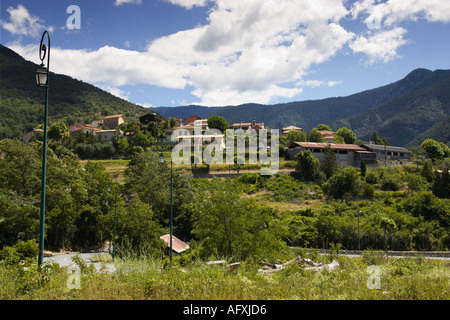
x: 177, y: 245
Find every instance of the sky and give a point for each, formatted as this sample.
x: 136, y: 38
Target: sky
x: 229, y: 52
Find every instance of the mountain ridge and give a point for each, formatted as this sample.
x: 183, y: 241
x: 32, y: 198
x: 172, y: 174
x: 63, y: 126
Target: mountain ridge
x: 406, y: 111
x: 424, y: 85
x: 70, y: 100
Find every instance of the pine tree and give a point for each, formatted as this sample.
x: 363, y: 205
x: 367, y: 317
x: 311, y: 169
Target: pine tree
x: 328, y: 164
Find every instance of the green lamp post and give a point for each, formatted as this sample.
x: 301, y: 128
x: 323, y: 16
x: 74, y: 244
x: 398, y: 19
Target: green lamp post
x: 161, y: 160
x: 42, y: 76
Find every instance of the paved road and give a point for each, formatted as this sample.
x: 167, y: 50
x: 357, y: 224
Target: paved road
x: 65, y: 260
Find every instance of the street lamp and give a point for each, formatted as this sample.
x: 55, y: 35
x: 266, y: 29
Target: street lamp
x: 359, y: 237
x: 161, y: 160
x: 114, y: 233
x: 42, y: 76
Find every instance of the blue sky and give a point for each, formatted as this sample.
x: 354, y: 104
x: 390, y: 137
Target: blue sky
x: 227, y: 52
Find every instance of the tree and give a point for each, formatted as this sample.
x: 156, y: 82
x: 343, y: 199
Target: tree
x: 219, y: 123
x: 315, y: 136
x: 58, y: 131
x: 363, y: 168
x: 122, y: 145
x: 347, y: 134
x: 149, y: 179
x: 342, y: 182
x: 441, y: 185
x: 427, y: 171
x: 328, y: 165
x: 306, y: 165
x: 228, y: 224
x: 433, y: 150
x: 378, y: 140
x: 298, y: 136
x: 323, y: 127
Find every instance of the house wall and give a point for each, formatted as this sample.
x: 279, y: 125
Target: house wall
x: 344, y: 157
x: 113, y: 122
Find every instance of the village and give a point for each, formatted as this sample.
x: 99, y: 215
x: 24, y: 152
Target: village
x: 112, y: 128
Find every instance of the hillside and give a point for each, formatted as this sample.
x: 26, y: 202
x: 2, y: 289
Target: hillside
x: 411, y: 118
x: 400, y: 111
x: 70, y: 100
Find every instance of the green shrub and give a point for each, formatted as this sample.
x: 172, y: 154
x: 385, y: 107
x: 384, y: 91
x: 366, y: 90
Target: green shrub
x: 371, y: 177
x: 20, y: 251
x: 368, y: 190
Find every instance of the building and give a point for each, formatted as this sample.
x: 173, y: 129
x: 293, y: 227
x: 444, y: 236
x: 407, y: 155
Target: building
x: 286, y: 130
x: 191, y: 119
x: 106, y: 136
x: 28, y: 135
x: 189, y: 129
x: 82, y: 128
x: 389, y: 153
x: 328, y: 136
x: 346, y: 154
x: 249, y: 125
x: 151, y: 117
x: 114, y: 121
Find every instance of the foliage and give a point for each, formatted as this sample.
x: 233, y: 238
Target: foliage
x: 306, y: 165
x: 219, y: 123
x: 434, y: 150
x: 363, y: 168
x: 298, y: 136
x: 323, y: 127
x: 342, y: 182
x: 70, y: 101
x: 328, y: 165
x: 441, y: 185
x: 227, y: 224
x: 315, y: 136
x: 347, y: 134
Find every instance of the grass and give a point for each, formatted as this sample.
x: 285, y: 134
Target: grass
x: 118, y: 166
x: 146, y: 278
x: 112, y: 167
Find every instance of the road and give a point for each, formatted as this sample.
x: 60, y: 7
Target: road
x: 65, y: 260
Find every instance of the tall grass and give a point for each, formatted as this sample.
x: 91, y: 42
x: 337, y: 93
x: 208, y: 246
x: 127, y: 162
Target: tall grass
x: 149, y: 278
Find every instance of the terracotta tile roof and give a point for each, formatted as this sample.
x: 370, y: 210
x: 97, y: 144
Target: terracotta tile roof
x: 321, y: 145
x: 113, y: 116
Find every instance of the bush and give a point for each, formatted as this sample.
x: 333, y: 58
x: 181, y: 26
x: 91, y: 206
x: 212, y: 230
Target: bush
x: 20, y: 251
x: 371, y: 177
x: 390, y: 182
x: 344, y: 181
x: 368, y: 190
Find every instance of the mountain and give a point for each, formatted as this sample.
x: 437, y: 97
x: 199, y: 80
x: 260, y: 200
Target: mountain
x: 409, y: 119
x: 70, y: 100
x: 405, y: 112
x: 400, y: 111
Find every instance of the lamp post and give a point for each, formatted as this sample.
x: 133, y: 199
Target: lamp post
x: 359, y: 237
x: 114, y: 233
x: 42, y: 76
x: 161, y: 160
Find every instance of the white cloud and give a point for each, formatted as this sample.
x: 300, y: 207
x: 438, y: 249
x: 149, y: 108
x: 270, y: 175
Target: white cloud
x: 249, y: 51
x: 382, y: 46
x: 189, y: 4
x: 318, y: 83
x: 120, y: 2
x: 23, y: 23
x: 393, y: 12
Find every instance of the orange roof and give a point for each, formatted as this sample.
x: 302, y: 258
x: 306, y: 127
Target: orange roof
x: 321, y: 145
x: 114, y: 116
x: 177, y: 245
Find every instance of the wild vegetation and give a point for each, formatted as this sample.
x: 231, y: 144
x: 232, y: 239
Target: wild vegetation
x: 247, y: 218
